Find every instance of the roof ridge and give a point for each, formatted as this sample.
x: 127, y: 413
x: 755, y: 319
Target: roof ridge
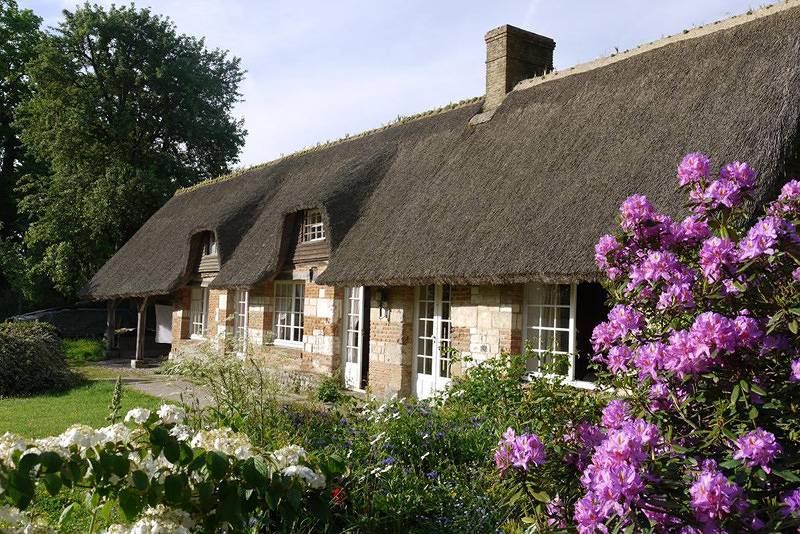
x: 321, y: 146
x: 693, y: 33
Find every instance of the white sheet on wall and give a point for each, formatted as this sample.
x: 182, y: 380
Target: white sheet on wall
x: 163, y: 323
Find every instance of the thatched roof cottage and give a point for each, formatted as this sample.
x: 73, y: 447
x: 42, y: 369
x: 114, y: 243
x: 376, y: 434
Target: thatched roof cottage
x: 469, y: 227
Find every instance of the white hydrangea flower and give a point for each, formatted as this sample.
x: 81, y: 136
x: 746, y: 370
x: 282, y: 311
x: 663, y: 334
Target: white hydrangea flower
x: 116, y: 433
x: 19, y: 523
x: 158, y: 520
x: 138, y: 415
x: 8, y: 444
x: 171, y: 414
x: 181, y: 432
x: 50, y: 444
x: 309, y: 476
x: 287, y: 456
x: 224, y: 440
x: 80, y: 436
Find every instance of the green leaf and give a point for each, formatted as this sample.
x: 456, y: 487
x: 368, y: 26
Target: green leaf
x: 173, y: 488
x: 53, y: 483
x: 735, y: 395
x: 786, y: 474
x: 140, y: 480
x: 753, y: 412
x: 66, y: 513
x: 50, y: 461
x: 793, y: 326
x: 541, y: 496
x: 131, y: 503
x: 172, y: 450
x: 758, y: 390
x: 217, y: 464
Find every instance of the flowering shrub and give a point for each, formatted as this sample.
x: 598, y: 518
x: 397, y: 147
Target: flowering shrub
x: 165, y: 476
x: 703, y: 340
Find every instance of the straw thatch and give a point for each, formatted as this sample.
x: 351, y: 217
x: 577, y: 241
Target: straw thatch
x: 523, y: 196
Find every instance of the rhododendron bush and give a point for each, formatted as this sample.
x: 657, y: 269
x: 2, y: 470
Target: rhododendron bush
x: 165, y: 476
x: 701, y: 348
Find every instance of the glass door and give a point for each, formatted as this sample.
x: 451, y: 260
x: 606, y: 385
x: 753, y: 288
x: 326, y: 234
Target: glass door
x: 353, y: 336
x: 432, y: 362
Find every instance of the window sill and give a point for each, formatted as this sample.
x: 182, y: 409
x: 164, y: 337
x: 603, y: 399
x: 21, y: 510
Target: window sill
x: 196, y: 337
x: 579, y: 384
x: 288, y: 344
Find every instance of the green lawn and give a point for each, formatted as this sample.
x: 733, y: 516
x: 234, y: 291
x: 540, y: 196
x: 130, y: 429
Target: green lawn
x: 48, y: 415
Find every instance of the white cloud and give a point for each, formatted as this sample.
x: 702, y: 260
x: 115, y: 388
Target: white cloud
x: 320, y: 69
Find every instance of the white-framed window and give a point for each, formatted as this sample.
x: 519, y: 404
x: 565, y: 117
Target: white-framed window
x: 313, y: 227
x: 549, y: 318
x: 288, y: 317
x: 240, y: 315
x: 209, y: 244
x: 198, y: 312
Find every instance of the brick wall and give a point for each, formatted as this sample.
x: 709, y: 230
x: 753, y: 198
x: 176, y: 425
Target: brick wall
x: 391, y: 343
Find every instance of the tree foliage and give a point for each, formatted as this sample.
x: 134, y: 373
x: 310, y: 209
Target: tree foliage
x: 125, y: 110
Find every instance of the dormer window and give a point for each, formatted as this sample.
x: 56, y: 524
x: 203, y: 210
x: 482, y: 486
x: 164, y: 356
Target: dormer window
x: 209, y: 244
x: 313, y: 227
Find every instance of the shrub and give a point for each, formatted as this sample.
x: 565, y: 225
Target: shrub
x: 32, y: 360
x: 84, y: 350
x: 703, y: 344
x: 329, y: 390
x: 167, y: 477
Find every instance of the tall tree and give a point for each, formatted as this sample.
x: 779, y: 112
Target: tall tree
x: 125, y: 110
x: 19, y: 34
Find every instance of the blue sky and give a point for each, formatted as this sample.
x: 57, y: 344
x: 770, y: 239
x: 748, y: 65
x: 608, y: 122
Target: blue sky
x: 318, y: 70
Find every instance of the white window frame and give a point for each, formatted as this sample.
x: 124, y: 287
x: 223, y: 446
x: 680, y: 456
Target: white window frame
x: 313, y: 226
x: 292, y: 311
x: 241, y: 316
x: 193, y: 313
x: 571, y: 350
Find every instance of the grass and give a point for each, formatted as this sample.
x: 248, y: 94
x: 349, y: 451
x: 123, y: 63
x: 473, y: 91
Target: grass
x: 83, y: 350
x: 48, y: 415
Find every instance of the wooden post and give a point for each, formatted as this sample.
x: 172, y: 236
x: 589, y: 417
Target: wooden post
x: 111, y: 325
x: 141, y: 324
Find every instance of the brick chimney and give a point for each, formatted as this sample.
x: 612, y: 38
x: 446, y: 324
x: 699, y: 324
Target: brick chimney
x: 512, y: 55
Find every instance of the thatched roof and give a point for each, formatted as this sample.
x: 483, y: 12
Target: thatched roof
x: 523, y: 196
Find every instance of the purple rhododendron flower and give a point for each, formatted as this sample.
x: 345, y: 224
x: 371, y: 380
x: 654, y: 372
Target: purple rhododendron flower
x: 795, y: 374
x: 692, y: 168
x: 763, y: 237
x: 748, y: 331
x: 556, y: 513
x: 717, y: 254
x: 713, y: 496
x: 615, y: 414
x: 757, y: 448
x: 790, y: 191
x: 796, y: 274
x: 693, y: 230
x: 635, y: 210
x: 677, y: 295
x: 618, y: 358
x: 740, y: 173
x: 714, y: 331
x: 723, y: 192
x: 649, y: 359
x: 792, y: 502
x: 605, y: 246
x: 519, y: 451
x: 588, y: 516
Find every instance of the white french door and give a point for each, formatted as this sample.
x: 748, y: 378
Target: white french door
x: 432, y: 361
x: 353, y: 341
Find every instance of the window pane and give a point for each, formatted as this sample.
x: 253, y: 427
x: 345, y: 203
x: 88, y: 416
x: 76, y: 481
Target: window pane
x: 562, y: 341
x: 563, y: 318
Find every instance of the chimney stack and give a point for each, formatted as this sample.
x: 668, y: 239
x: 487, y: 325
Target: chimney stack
x: 512, y: 55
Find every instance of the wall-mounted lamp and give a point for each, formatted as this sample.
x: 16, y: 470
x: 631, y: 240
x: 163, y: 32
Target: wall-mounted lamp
x: 383, y: 309
x: 312, y: 272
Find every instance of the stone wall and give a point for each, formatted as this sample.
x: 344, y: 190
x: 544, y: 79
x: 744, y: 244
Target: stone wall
x: 320, y: 352
x: 487, y: 320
